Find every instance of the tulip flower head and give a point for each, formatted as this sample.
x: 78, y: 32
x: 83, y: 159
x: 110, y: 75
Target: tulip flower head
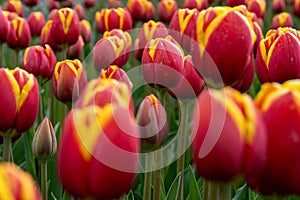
x: 4, y: 26
x: 166, y: 9
x: 258, y: 7
x: 15, y: 6
x: 198, y: 4
x: 19, y: 33
x: 36, y: 21
x: 278, y: 5
x: 85, y: 31
x: 283, y: 19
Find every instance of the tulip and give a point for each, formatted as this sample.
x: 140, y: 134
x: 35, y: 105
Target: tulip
x: 19, y: 100
x: 138, y: 53
x: 141, y: 9
x: 85, y: 31
x: 65, y: 28
x: 3, y: 26
x: 15, y: 6
x: 80, y: 11
x: 258, y: 7
x: 113, y: 3
x: 114, y: 18
x: 283, y: 19
x: 152, y: 121
x: 233, y: 34
x: 115, y: 72
x: 75, y: 50
x: 17, y: 184
x: 107, y: 157
x: 89, y: 3
x: 191, y: 84
x: 198, y: 4
x: 10, y: 15
x: 270, y: 64
x: 31, y: 3
x: 150, y: 14
x: 36, y: 22
x: 39, y: 61
x: 53, y: 4
x: 19, y: 33
x: 166, y: 10
x: 46, y: 37
x: 279, y: 105
x: 278, y: 5
x: 162, y: 62
x: 222, y: 118
x: 233, y: 3
x: 296, y: 7
x: 183, y: 26
x: 69, y: 79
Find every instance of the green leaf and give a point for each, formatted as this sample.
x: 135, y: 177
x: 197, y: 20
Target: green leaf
x: 29, y: 158
x: 174, y: 189
x: 162, y: 189
x: 194, y: 190
x: 242, y: 193
x: 130, y: 195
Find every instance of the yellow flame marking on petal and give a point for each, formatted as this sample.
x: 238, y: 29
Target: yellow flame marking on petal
x: 149, y: 29
x: 183, y: 21
x: 17, y: 5
x: 169, y: 4
x: 71, y: 64
x: 88, y: 124
x: 25, y: 56
x: 48, y: 50
x: 128, y: 39
x: 282, y: 17
x: 5, y: 191
x: 119, y: 12
x: 117, y: 45
x: 37, y: 15
x: 14, y: 85
x: 90, y: 91
x: 21, y: 25
x: 86, y: 24
x: 154, y: 101
x: 98, y: 16
x: 113, y: 68
x: 65, y: 21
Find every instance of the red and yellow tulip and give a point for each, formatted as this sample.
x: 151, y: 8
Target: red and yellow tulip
x: 19, y: 33
x: 85, y: 31
x: 166, y: 10
x: 141, y: 9
x: 198, y: 4
x: 15, y: 6
x: 4, y: 26
x: 283, y: 19
x: 36, y: 21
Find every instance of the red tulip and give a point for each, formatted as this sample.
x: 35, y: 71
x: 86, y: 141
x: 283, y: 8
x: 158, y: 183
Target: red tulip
x: 258, y: 7
x: 278, y: 5
x: 15, y: 6
x: 198, y: 4
x: 115, y: 72
x: 233, y: 3
x: 85, y: 31
x: 46, y: 37
x: 31, y: 3
x: 4, y: 26
x: 75, y: 50
x: 89, y: 3
x: 166, y: 10
x: 80, y: 11
x: 141, y: 9
x: 19, y: 33
x: 283, y: 19
x: 296, y: 7
x: 36, y: 22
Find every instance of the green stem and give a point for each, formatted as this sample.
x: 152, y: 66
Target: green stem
x: 6, y: 148
x: 40, y: 113
x: 225, y: 191
x: 148, y: 179
x: 182, y: 137
x: 44, y: 188
x: 214, y: 191
x: 157, y: 175
x: 63, y: 53
x: 205, y: 189
x: 17, y: 57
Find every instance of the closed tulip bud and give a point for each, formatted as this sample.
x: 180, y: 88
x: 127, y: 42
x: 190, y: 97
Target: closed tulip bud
x: 150, y: 14
x: 31, y: 3
x: 107, y: 157
x: 65, y: 28
x: 19, y: 33
x: 222, y: 118
x: 114, y: 18
x: 46, y: 37
x: 17, y: 184
x: 151, y: 30
x: 166, y: 10
x: 36, y: 22
x: 75, y: 50
x: 85, y: 31
x: 39, y: 61
x: 19, y: 100
x: 139, y: 9
x: 296, y: 7
x: 153, y: 124
x: 198, y: 4
x: 53, y: 4
x: 89, y: 3
x: 80, y: 11
x: 191, y: 84
x: 115, y: 48
x: 69, y: 79
x: 221, y: 26
x: 283, y: 19
x: 278, y: 5
x: 115, y: 72
x: 4, y: 25
x: 113, y: 3
x: 15, y: 6
x: 279, y: 105
x: 44, y: 142
x: 183, y: 26
x: 258, y: 7
x: 162, y: 62
x: 270, y: 64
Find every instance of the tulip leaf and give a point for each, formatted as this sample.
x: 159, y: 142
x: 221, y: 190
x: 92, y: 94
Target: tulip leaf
x: 242, y: 193
x: 194, y: 190
x: 130, y: 195
x: 162, y: 189
x: 29, y: 158
x: 174, y: 189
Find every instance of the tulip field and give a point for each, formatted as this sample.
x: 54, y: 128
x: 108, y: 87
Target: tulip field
x: 149, y: 99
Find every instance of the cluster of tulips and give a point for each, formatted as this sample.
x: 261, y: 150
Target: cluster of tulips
x: 192, y: 99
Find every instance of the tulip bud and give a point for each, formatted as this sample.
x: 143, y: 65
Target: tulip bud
x: 75, y: 50
x: 17, y: 184
x: 283, y: 19
x: 39, y: 61
x: 46, y: 37
x: 85, y: 31
x: 114, y: 18
x: 114, y: 72
x: 19, y: 33
x: 198, y: 4
x: 153, y: 123
x: 270, y: 64
x: 4, y: 25
x: 222, y: 118
x: 19, y: 99
x: 191, y: 84
x: 278, y: 5
x: 183, y: 26
x: 31, y: 3
x: 141, y: 9
x: 296, y: 7
x: 258, y: 7
x: 15, y: 6
x: 69, y: 79
x: 65, y: 28
x: 233, y: 3
x: 44, y: 141
x: 53, y: 4
x: 220, y: 66
x: 279, y: 105
x: 162, y: 62
x: 89, y: 3
x: 166, y: 10
x: 80, y: 11
x: 36, y: 21
x: 150, y: 14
